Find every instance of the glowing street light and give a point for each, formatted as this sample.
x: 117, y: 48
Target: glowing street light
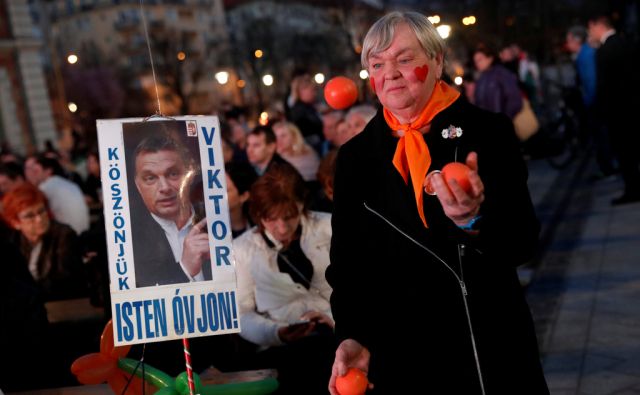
x: 264, y: 118
x: 258, y: 53
x: 73, y: 107
x: 457, y: 80
x: 444, y: 31
x: 434, y: 19
x: 469, y: 20
x: 364, y: 74
x: 241, y: 83
x: 181, y: 56
x: 267, y: 79
x: 72, y: 59
x: 318, y: 78
x: 222, y: 77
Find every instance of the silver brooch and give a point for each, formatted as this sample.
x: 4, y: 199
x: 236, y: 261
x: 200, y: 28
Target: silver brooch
x: 451, y: 132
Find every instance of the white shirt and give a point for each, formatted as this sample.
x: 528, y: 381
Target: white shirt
x: 606, y: 35
x: 67, y: 203
x: 176, y: 237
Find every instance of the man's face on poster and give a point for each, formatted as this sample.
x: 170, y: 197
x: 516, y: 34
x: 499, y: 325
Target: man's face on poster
x: 162, y: 180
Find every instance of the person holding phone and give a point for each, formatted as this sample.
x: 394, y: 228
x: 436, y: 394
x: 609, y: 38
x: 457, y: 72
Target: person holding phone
x: 283, y: 295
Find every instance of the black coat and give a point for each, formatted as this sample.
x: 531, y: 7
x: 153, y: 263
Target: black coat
x: 152, y: 253
x: 405, y: 305
x: 617, y: 79
x: 59, y: 264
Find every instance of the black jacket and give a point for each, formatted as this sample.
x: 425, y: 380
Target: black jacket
x: 402, y: 303
x: 59, y: 264
x: 153, y: 258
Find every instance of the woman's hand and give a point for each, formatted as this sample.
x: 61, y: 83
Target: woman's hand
x: 350, y: 354
x: 457, y: 204
x: 319, y: 318
x: 296, y: 331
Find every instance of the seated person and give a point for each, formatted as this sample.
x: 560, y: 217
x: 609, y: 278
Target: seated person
x: 51, y: 249
x: 240, y: 177
x: 280, y: 267
x: 291, y: 146
x: 326, y: 173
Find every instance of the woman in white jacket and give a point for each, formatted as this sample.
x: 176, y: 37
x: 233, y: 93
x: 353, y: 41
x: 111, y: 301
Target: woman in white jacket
x: 283, y: 293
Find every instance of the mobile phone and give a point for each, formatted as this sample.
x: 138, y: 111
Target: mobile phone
x: 298, y: 324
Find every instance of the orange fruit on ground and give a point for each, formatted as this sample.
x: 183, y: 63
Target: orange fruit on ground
x: 353, y: 383
x: 340, y: 93
x: 459, y: 172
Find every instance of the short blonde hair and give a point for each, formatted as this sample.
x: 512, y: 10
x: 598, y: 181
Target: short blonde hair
x: 380, y: 35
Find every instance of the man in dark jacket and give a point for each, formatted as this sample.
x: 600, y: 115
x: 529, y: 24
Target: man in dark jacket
x: 617, y: 100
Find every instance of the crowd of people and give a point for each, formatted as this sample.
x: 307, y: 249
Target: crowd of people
x: 329, y: 272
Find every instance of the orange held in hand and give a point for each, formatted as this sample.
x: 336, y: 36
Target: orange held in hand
x: 459, y: 172
x: 353, y: 383
x: 340, y: 93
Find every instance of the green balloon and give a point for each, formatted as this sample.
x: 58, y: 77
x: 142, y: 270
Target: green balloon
x: 156, y: 377
x: 260, y: 387
x: 182, y: 383
x: 167, y: 391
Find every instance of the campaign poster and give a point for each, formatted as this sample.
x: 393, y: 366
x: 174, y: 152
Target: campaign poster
x: 167, y: 224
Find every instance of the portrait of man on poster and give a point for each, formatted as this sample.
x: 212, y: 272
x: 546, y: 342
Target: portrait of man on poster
x: 170, y: 242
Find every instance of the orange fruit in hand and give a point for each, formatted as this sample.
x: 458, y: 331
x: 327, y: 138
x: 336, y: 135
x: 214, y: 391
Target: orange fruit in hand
x: 459, y: 172
x: 353, y: 383
x: 340, y: 92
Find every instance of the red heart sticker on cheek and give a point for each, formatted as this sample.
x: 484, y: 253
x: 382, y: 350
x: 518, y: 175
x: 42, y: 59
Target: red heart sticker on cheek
x: 372, y: 83
x: 421, y: 72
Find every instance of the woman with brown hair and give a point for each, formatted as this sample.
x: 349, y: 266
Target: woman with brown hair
x: 50, y: 248
x: 283, y: 294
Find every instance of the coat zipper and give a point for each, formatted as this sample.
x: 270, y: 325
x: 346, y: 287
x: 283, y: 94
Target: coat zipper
x: 463, y: 287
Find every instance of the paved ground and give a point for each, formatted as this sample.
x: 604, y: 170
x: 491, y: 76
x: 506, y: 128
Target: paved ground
x: 585, y: 290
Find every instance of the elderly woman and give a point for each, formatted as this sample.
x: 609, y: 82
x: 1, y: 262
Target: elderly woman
x: 292, y: 147
x: 283, y: 294
x: 50, y: 248
x: 398, y: 252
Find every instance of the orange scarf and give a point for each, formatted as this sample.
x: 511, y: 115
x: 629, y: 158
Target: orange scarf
x: 412, y: 154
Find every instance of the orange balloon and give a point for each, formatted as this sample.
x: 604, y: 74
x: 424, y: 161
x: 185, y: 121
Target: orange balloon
x: 340, y: 93
x: 459, y: 172
x: 353, y: 383
x: 94, y: 368
x: 106, y: 344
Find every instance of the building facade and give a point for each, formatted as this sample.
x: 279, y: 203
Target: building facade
x: 26, y: 120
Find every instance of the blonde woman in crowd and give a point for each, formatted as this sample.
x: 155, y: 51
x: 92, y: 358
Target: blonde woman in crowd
x: 292, y: 147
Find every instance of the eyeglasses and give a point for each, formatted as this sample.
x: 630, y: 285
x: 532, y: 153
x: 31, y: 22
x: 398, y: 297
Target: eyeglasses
x: 32, y: 214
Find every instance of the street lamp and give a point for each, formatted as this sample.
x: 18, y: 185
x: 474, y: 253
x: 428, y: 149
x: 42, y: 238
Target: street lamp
x: 73, y: 107
x: 444, y: 31
x: 469, y: 20
x: 264, y: 118
x: 72, y: 59
x: 364, y: 74
x: 222, y: 77
x: 319, y: 78
x: 267, y: 79
x: 258, y: 53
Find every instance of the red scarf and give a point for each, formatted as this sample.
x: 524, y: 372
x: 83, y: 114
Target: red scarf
x: 412, y: 154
